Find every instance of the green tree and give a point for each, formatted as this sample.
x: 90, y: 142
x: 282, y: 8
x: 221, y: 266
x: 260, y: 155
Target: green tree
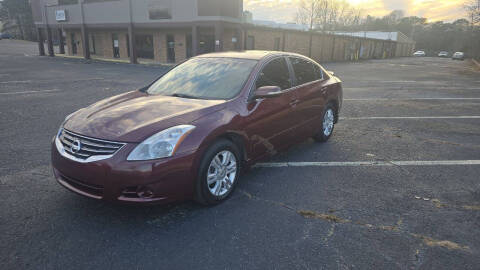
x: 17, y: 17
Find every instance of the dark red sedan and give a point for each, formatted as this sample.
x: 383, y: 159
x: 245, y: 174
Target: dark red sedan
x: 189, y: 134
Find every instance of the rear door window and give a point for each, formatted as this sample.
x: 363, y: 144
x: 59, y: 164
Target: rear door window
x: 275, y: 73
x: 305, y: 71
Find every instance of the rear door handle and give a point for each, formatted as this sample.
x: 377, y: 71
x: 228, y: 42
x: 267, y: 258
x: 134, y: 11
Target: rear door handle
x: 323, y: 89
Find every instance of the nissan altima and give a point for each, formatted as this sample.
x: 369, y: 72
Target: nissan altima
x: 192, y: 132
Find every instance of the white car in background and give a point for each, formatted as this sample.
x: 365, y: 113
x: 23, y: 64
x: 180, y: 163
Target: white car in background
x: 419, y: 54
x: 458, y: 56
x: 443, y: 54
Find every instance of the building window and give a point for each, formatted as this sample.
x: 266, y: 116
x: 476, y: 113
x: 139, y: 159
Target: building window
x: 96, y: 1
x: 170, y: 48
x: 67, y: 2
x: 92, y: 44
x: 224, y: 8
x: 250, y: 43
x: 73, y: 2
x: 159, y: 10
x: 159, y: 14
x: 128, y: 45
x: 276, y: 45
x: 116, y: 45
x: 144, y: 44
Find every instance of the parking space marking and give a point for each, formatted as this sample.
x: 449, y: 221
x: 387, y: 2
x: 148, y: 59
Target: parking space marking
x: 399, y: 81
x: 30, y: 92
x: 420, y: 88
x: 403, y: 99
x: 15, y: 82
x: 54, y: 81
x: 410, y: 117
x: 369, y: 163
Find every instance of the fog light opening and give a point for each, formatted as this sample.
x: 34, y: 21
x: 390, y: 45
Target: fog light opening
x: 145, y: 193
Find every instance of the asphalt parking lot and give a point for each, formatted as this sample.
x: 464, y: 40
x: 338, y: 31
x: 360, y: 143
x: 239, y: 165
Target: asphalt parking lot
x: 397, y: 186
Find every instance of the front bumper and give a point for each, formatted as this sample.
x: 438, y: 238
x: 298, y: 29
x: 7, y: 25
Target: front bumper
x: 117, y: 180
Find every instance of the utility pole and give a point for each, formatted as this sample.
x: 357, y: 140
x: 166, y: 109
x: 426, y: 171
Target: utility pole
x: 85, y: 34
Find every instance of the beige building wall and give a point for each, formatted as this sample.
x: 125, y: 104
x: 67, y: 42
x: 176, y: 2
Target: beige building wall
x: 122, y: 43
x: 180, y: 46
x: 160, y: 47
x: 228, y: 35
x: 297, y: 42
x: 265, y: 39
x: 107, y: 44
x: 77, y: 40
x: 324, y: 47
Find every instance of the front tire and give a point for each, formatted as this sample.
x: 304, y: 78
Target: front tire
x: 218, y: 173
x: 328, y: 124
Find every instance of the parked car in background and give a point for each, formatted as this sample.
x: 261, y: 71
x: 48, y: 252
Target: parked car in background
x: 189, y: 134
x: 5, y: 36
x: 443, y: 54
x: 458, y: 56
x: 419, y: 54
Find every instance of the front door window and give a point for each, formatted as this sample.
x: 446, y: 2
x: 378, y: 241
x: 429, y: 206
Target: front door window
x: 275, y: 73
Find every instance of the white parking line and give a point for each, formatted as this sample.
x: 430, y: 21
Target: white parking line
x: 410, y: 117
x: 403, y: 99
x: 54, y: 81
x: 30, y: 92
x: 424, y: 88
x: 368, y: 163
x: 15, y: 82
x: 398, y: 81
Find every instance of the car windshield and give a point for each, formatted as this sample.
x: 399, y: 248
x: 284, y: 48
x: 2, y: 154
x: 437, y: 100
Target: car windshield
x: 205, y: 78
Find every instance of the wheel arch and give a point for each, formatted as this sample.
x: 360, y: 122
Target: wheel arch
x: 238, y: 140
x: 336, y: 107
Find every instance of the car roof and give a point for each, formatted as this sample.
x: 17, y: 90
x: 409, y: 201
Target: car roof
x: 249, y: 54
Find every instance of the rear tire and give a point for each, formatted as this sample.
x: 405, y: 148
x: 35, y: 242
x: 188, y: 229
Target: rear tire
x: 218, y: 173
x: 328, y: 124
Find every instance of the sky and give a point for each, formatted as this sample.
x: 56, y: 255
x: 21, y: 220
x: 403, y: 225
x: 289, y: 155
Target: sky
x: 433, y: 10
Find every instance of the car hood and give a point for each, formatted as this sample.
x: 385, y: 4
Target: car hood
x: 135, y: 116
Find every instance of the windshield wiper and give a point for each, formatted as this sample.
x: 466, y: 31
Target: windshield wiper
x: 184, y: 96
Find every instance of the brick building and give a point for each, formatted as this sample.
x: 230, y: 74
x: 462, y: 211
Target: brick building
x: 170, y: 31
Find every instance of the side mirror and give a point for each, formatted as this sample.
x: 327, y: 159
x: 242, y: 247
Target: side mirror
x: 331, y: 72
x: 268, y: 92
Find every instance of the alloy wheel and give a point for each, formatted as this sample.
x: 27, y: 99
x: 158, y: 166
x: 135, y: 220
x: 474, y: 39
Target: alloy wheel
x: 221, y: 173
x: 328, y: 121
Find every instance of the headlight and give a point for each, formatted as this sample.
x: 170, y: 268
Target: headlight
x: 63, y: 123
x: 161, y: 145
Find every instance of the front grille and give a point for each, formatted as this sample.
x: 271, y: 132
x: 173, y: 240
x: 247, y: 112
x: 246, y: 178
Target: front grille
x: 83, y: 147
x: 95, y: 190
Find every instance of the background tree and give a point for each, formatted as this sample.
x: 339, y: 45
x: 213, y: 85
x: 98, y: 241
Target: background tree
x: 327, y: 15
x: 472, y: 7
x: 307, y: 12
x: 17, y: 17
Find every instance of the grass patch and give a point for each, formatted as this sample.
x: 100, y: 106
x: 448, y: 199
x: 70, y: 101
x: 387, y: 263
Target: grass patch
x: 440, y: 243
x: 472, y: 207
x: 327, y: 217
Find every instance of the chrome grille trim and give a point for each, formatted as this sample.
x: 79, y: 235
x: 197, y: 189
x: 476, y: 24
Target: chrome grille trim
x: 92, y: 149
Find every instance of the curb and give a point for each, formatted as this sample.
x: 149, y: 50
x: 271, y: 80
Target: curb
x: 476, y: 62
x: 111, y: 61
